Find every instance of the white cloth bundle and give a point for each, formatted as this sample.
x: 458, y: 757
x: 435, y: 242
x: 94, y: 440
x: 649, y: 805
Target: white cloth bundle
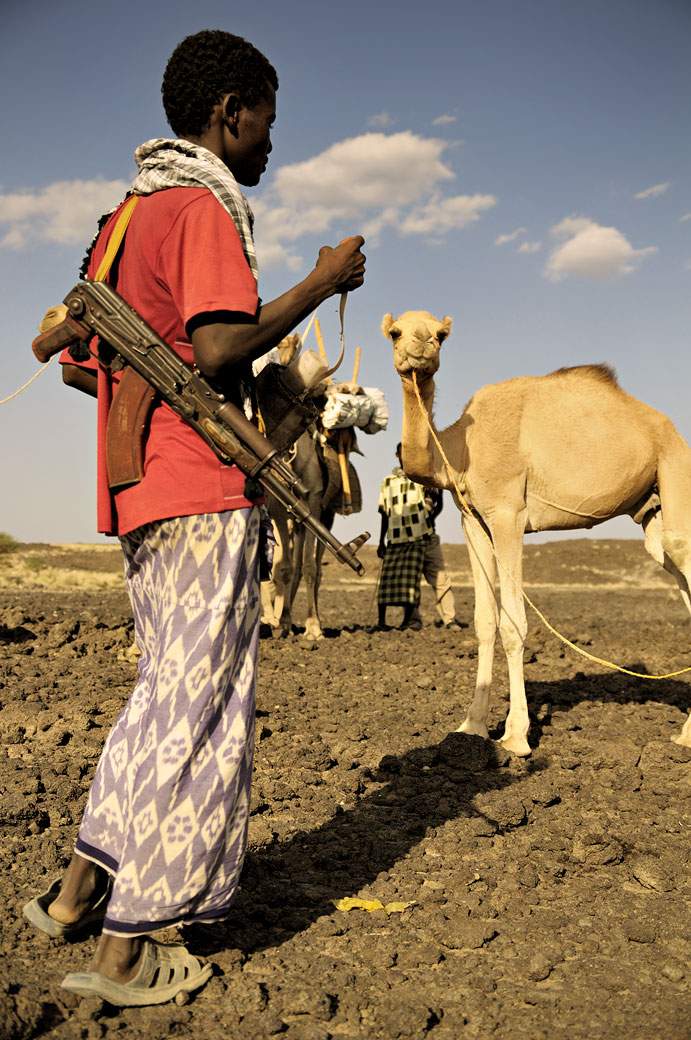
x: 368, y: 410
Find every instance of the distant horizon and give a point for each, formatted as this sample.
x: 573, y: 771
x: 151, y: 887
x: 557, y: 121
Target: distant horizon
x: 536, y: 538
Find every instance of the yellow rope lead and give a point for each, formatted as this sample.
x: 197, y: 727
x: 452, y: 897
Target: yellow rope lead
x: 468, y: 511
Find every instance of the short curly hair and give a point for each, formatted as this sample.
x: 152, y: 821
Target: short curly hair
x: 202, y: 69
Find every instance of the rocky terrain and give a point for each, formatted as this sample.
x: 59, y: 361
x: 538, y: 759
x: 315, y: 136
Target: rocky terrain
x: 538, y: 898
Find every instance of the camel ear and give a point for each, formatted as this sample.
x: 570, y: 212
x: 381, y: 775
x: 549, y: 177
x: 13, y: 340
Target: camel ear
x: 445, y: 329
x: 386, y: 323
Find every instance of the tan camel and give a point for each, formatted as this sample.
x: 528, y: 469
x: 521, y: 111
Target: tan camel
x: 540, y: 453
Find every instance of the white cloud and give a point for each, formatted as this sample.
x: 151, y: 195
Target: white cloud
x: 380, y: 121
x: 64, y: 212
x: 590, y: 250
x: 503, y: 239
x: 443, y: 120
x: 652, y: 193
x: 530, y: 247
x: 369, y: 170
x: 372, y: 181
x: 438, y: 216
x: 687, y: 216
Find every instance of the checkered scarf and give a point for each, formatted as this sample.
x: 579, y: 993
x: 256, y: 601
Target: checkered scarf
x: 165, y: 163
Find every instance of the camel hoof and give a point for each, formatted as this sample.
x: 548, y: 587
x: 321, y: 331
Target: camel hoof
x: 476, y: 729
x: 517, y: 746
x: 312, y: 636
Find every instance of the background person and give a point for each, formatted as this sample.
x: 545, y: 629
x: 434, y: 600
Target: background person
x: 404, y: 528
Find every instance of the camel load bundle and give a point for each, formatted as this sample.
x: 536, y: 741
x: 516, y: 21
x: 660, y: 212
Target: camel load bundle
x: 366, y: 409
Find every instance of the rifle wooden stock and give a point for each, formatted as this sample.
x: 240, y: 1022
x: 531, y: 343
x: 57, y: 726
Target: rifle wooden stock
x: 153, y: 368
x: 60, y: 336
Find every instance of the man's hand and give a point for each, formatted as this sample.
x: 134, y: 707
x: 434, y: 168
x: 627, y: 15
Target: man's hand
x: 343, y: 266
x: 381, y: 551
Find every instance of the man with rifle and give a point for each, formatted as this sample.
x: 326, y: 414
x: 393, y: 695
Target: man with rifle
x: 163, y: 836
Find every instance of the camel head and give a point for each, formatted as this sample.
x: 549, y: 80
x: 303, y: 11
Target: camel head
x: 288, y: 348
x: 416, y: 337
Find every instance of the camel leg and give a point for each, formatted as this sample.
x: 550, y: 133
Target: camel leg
x: 657, y: 544
x: 298, y: 555
x: 268, y: 587
x: 312, y: 569
x: 283, y: 571
x: 674, y: 484
x: 486, y: 623
x: 267, y: 592
x: 313, y: 628
x: 328, y: 518
x: 507, y: 534
x: 684, y: 737
x: 313, y: 580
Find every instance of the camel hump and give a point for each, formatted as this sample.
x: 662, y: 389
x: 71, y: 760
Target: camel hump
x: 603, y: 373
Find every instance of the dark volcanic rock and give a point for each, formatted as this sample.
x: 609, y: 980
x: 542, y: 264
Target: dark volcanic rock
x: 549, y: 895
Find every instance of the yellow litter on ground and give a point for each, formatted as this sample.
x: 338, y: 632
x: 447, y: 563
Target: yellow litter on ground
x: 370, y: 905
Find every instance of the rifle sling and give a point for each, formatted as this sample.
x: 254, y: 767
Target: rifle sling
x: 133, y: 399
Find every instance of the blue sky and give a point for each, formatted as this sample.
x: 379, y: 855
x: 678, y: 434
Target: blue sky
x: 519, y: 165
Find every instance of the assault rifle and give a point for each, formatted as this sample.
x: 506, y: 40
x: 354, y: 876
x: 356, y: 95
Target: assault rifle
x: 126, y: 340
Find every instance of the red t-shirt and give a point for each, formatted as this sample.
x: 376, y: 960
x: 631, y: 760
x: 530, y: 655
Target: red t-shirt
x: 182, y: 257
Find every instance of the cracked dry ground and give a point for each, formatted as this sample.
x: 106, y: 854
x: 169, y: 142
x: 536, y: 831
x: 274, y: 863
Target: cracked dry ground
x: 550, y: 895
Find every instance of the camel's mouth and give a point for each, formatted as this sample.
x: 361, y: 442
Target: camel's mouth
x: 425, y: 364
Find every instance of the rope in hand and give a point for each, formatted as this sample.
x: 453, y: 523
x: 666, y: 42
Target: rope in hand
x: 4, y: 400
x: 468, y: 511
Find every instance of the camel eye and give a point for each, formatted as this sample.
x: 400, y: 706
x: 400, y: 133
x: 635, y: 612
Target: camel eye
x: 395, y: 334
x: 441, y: 336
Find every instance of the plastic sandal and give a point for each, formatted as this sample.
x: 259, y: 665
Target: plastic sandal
x: 164, y: 971
x: 37, y: 912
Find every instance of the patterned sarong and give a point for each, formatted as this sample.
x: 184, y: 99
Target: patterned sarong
x: 169, y: 806
x: 401, y: 573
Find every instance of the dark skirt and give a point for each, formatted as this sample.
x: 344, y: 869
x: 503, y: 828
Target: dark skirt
x: 401, y: 573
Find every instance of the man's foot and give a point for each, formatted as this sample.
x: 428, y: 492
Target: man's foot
x: 412, y: 626
x: 162, y: 972
x: 79, y: 894
x: 455, y: 624
x: 118, y: 958
x: 70, y: 918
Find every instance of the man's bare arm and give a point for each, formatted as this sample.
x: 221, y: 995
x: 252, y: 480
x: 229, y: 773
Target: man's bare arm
x: 220, y: 345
